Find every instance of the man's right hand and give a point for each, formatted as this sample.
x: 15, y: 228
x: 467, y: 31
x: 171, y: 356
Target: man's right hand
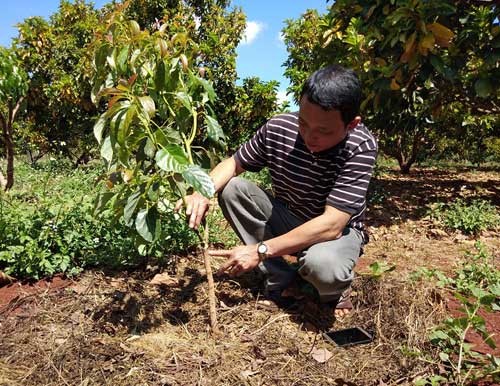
x: 197, y: 207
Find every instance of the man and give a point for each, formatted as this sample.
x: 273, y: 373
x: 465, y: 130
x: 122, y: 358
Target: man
x: 320, y: 161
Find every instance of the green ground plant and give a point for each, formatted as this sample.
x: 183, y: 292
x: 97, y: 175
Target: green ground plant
x: 476, y: 285
x: 47, y: 226
x: 467, y: 217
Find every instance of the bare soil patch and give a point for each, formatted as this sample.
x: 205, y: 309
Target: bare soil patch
x: 122, y: 330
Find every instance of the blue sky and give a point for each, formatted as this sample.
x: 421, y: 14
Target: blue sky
x: 261, y: 54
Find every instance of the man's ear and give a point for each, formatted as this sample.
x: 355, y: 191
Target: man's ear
x: 355, y: 122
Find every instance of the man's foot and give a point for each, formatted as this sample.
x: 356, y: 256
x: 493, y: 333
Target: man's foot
x: 343, y: 305
x: 276, y: 299
x: 301, y: 288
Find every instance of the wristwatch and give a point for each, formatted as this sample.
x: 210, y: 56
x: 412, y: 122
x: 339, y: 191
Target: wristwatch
x: 262, y: 250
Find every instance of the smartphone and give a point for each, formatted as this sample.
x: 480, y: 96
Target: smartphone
x: 348, y: 337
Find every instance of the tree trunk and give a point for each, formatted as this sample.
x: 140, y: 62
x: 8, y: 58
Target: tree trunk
x: 9, y: 142
x: 9, y: 151
x: 406, y: 161
x: 3, y: 122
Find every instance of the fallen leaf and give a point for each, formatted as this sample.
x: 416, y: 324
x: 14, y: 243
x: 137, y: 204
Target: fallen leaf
x: 248, y: 373
x: 165, y: 279
x: 132, y: 371
x: 259, y: 353
x: 321, y: 355
x: 132, y: 338
x: 224, y: 306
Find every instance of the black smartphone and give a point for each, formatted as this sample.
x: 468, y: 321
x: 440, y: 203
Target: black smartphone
x: 348, y: 337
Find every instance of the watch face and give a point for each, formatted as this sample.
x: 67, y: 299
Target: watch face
x: 262, y: 248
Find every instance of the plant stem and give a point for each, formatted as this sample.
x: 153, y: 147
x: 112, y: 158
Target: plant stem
x: 210, y: 279
x: 190, y: 140
x: 462, y: 341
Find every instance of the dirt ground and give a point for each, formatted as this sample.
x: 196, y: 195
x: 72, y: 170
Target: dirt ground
x: 121, y: 329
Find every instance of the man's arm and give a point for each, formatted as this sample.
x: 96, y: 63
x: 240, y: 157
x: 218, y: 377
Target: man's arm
x: 224, y: 171
x: 197, y: 204
x: 328, y: 226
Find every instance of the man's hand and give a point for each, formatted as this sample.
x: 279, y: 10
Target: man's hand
x: 196, y: 208
x: 241, y: 259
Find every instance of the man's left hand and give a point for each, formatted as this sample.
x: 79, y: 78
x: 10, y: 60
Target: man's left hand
x: 241, y: 259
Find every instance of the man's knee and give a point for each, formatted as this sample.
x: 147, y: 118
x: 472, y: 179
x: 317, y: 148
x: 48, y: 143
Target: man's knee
x: 327, y: 268
x: 330, y: 270
x: 231, y: 191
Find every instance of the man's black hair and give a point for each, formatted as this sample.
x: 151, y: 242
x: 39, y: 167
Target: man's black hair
x: 334, y: 88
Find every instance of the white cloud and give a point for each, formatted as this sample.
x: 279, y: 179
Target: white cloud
x: 282, y: 97
x: 252, y: 30
x: 281, y: 37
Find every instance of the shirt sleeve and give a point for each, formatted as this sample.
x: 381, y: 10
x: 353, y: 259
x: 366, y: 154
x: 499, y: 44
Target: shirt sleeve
x: 252, y: 155
x: 348, y: 193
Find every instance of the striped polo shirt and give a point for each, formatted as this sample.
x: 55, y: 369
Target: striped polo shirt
x: 306, y: 181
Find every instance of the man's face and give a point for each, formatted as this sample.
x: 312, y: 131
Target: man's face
x: 320, y: 129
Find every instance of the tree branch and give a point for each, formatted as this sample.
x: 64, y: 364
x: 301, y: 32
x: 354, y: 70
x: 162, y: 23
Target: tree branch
x: 16, y: 108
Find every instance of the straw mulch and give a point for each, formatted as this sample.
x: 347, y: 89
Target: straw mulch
x: 106, y: 330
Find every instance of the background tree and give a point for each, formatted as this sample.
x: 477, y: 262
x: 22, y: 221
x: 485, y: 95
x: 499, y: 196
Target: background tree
x: 427, y: 67
x: 55, y: 54
x: 13, y: 88
x: 255, y: 102
x: 217, y: 28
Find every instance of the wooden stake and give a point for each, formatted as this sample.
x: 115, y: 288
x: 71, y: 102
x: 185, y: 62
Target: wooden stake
x: 210, y: 279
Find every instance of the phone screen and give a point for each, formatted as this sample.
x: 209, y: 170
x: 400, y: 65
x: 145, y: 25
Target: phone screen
x: 349, y: 336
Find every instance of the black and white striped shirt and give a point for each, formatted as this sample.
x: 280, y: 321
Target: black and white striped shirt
x: 307, y: 181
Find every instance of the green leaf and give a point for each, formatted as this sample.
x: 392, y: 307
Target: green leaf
x: 115, y: 123
x: 147, y: 224
x: 184, y: 98
x: 100, y: 56
x: 107, y: 149
x: 165, y: 136
x: 102, y: 200
x: 439, y: 335
x: 149, y: 148
x: 121, y: 60
x: 199, y: 180
x: 207, y: 86
x: 99, y: 127
x: 160, y: 77
x: 483, y: 87
x: 142, y: 249
x: 124, y: 127
x: 214, y: 130
x: 172, y: 158
x: 438, y: 64
x: 111, y: 60
x: 135, y: 54
x: 130, y: 207
x: 148, y: 105
x: 444, y: 356
x: 154, y: 191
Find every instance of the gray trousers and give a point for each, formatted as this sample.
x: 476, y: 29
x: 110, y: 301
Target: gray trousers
x: 257, y: 216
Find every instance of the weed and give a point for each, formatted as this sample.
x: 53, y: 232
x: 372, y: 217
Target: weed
x: 47, y: 226
x: 378, y: 269
x: 476, y: 285
x: 472, y: 218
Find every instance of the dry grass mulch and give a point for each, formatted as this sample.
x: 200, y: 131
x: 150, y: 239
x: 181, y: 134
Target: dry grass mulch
x: 125, y: 331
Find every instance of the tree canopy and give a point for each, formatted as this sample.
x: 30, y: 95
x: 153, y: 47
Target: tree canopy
x: 428, y: 68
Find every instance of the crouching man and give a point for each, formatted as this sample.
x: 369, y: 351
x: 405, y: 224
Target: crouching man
x: 320, y: 160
